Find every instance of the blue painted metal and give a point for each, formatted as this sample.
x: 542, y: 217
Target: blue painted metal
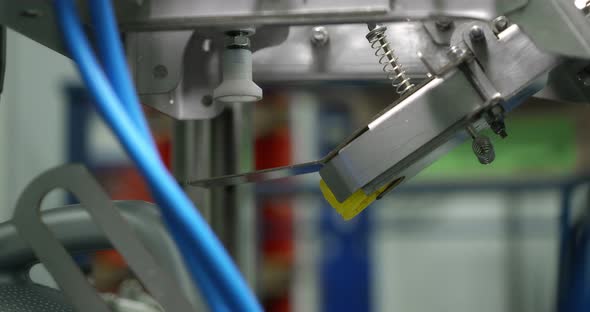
x: 345, y: 265
x: 574, y: 263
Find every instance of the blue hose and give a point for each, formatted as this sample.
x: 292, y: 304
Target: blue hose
x: 197, y: 242
x: 110, y: 51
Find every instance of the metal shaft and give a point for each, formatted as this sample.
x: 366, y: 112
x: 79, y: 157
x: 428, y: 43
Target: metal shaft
x: 223, y: 145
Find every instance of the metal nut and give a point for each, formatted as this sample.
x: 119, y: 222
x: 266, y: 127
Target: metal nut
x: 237, y: 42
x: 319, y: 36
x: 500, y: 24
x: 476, y: 33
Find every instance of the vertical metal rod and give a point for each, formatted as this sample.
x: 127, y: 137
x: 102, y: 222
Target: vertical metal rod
x: 216, y: 147
x: 234, y: 213
x: 192, y: 157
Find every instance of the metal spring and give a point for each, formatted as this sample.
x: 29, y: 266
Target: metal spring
x: 378, y: 40
x: 483, y: 149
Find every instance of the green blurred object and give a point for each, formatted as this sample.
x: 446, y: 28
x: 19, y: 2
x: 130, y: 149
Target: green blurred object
x: 535, y: 146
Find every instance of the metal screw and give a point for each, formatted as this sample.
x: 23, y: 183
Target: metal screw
x: 456, y: 53
x: 319, y: 36
x: 482, y: 147
x: 476, y: 33
x: 444, y: 24
x: 500, y: 24
x: 160, y: 71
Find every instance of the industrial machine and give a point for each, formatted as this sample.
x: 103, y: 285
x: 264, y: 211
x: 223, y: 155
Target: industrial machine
x: 455, y: 67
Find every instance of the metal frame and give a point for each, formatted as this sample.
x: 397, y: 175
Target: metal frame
x: 59, y: 263
x: 176, y: 75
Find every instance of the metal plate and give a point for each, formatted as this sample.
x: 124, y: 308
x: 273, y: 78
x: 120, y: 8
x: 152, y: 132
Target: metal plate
x: 258, y: 176
x: 556, y: 26
x: 184, y: 14
x: 406, y: 127
x: 78, y: 233
x: 51, y: 252
x: 346, y: 56
x: 35, y: 18
x: 511, y: 61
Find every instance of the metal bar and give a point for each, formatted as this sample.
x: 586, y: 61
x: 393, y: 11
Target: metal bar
x: 191, y: 157
x: 234, y: 213
x: 230, y: 211
x: 174, y: 15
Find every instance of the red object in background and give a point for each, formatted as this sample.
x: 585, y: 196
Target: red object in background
x: 274, y: 150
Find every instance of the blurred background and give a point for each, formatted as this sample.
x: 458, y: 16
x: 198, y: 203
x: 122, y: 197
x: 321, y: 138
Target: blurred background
x: 511, y: 236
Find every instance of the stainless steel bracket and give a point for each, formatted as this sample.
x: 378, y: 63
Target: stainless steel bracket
x: 53, y: 255
x: 427, y: 122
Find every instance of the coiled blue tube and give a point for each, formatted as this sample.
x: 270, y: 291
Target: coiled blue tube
x: 197, y: 243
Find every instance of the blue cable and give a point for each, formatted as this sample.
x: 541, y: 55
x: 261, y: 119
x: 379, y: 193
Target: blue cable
x: 197, y: 243
x: 210, y: 294
x: 110, y: 49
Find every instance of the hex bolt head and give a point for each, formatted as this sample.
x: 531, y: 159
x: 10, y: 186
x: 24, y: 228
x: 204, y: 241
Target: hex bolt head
x: 476, y: 33
x: 500, y: 24
x: 319, y: 36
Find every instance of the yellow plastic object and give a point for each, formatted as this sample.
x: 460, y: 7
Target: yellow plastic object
x: 354, y: 204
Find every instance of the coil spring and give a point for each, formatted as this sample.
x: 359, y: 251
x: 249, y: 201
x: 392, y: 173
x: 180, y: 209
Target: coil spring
x: 483, y: 149
x: 378, y: 40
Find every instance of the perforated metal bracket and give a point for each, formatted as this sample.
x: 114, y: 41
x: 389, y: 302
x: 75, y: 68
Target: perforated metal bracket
x: 77, y: 180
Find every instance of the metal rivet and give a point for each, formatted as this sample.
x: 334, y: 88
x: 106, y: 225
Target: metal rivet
x: 319, y: 36
x: 160, y: 71
x: 476, y: 33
